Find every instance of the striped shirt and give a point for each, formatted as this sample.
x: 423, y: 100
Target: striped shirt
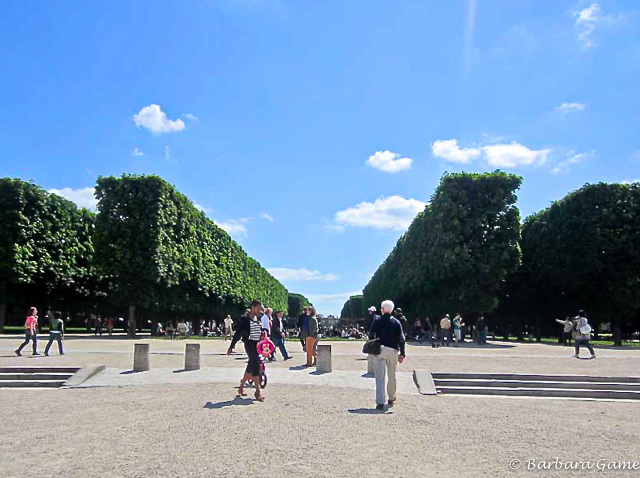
x: 256, y: 330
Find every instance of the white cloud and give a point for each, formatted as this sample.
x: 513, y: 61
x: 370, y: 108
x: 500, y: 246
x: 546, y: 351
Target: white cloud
x: 330, y: 304
x: 137, y: 152
x: 394, y: 212
x: 572, y: 158
x: 631, y: 182
x: 448, y: 149
x: 82, y: 197
x: 266, y: 217
x: 570, y: 107
x: 469, y: 25
x: 155, y: 120
x: 589, y: 20
x: 297, y: 275
x: 234, y: 226
x: 389, y: 162
x: 513, y: 155
x: 205, y: 210
x: 190, y: 117
x: 167, y: 152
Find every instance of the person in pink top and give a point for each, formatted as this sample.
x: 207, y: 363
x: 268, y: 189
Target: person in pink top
x: 30, y: 332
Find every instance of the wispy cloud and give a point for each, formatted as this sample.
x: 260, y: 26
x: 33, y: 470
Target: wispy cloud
x: 386, y: 213
x: 137, y: 152
x: 167, y: 152
x: 389, y: 162
x: 570, y: 107
x: 206, y: 210
x: 589, y: 19
x: 330, y: 303
x: 155, y: 120
x: 82, y: 197
x: 300, y: 275
x: 190, y: 117
x: 506, y: 155
x: 266, y: 217
x: 572, y: 159
x: 631, y: 182
x: 469, y: 26
x: 234, y: 226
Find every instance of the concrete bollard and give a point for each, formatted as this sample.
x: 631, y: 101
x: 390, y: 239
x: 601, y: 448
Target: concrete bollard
x: 140, y: 357
x: 324, y: 359
x: 192, y: 357
x: 371, y: 369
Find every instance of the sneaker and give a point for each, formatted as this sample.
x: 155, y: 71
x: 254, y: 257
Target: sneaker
x: 576, y: 356
x: 18, y: 353
x: 380, y: 408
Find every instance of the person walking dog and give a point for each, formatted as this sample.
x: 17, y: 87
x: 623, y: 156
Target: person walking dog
x: 388, y: 331
x: 30, y: 332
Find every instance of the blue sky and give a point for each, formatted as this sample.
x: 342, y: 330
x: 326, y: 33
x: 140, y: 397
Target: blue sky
x: 314, y: 131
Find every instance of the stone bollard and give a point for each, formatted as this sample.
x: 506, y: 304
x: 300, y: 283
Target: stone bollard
x: 324, y: 359
x: 140, y: 357
x: 371, y: 370
x: 192, y: 357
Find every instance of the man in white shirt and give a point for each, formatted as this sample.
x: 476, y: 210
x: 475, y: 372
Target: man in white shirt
x: 266, y: 321
x: 228, y: 327
x: 445, y: 327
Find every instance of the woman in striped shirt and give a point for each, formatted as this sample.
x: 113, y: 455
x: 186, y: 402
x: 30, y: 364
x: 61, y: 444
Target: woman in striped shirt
x: 249, y: 330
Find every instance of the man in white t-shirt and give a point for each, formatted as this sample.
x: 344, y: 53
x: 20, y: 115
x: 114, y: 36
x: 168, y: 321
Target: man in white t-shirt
x: 228, y: 327
x: 445, y: 330
x: 265, y: 324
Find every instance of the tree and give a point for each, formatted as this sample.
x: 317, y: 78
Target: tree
x: 164, y: 255
x: 296, y: 303
x: 46, y: 249
x: 457, y: 252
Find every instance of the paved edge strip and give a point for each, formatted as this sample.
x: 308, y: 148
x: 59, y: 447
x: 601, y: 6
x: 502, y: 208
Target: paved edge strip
x: 82, y: 375
x: 424, y: 382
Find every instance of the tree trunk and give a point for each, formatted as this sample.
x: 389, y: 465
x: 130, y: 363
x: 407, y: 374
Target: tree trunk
x: 132, y: 322
x: 3, y: 317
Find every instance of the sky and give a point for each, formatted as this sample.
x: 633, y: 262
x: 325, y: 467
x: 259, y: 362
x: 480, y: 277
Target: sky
x: 313, y: 132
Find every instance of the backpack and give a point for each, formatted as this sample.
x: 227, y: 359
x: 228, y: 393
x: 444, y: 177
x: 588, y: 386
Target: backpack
x: 584, y: 327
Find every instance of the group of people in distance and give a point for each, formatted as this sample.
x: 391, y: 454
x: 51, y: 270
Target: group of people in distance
x: 579, y: 329
x: 56, y: 332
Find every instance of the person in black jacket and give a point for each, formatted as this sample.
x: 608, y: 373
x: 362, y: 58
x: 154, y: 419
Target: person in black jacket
x: 389, y: 331
x: 249, y: 330
x: 277, y: 336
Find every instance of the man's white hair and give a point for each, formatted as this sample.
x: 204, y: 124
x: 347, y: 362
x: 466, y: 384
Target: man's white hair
x: 387, y: 307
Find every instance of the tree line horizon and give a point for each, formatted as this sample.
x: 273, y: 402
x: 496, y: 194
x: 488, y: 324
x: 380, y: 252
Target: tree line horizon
x: 469, y: 252
x: 147, y: 253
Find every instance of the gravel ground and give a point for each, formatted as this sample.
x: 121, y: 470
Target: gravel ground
x: 199, y: 430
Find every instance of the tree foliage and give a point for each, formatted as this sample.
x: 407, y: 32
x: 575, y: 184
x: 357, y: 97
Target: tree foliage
x: 46, y: 248
x: 297, y: 302
x: 353, y: 308
x: 583, y: 252
x: 458, y: 251
x: 162, y: 253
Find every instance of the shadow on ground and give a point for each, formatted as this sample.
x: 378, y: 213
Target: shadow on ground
x: 239, y: 401
x: 369, y: 411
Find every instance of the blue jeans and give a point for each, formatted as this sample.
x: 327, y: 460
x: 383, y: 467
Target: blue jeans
x: 279, y: 343
x: 53, y: 337
x: 446, y: 334
x: 580, y: 342
x: 28, y: 335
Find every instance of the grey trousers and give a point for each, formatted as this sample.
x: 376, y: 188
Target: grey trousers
x: 386, y: 363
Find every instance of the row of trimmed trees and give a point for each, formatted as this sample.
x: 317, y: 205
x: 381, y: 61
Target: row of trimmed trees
x: 148, y: 249
x: 467, y: 252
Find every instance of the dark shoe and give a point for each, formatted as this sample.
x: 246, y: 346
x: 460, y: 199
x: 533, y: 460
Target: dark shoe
x: 391, y: 402
x: 61, y: 353
x: 18, y: 353
x: 46, y: 354
x: 288, y: 358
x: 36, y: 353
x: 380, y: 408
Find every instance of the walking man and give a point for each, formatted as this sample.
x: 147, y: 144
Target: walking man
x: 56, y: 332
x: 30, y: 332
x: 583, y: 335
x: 277, y: 336
x: 312, y: 337
x: 228, y: 327
x: 389, y: 330
x: 568, y: 326
x: 303, y: 325
x: 445, y: 327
